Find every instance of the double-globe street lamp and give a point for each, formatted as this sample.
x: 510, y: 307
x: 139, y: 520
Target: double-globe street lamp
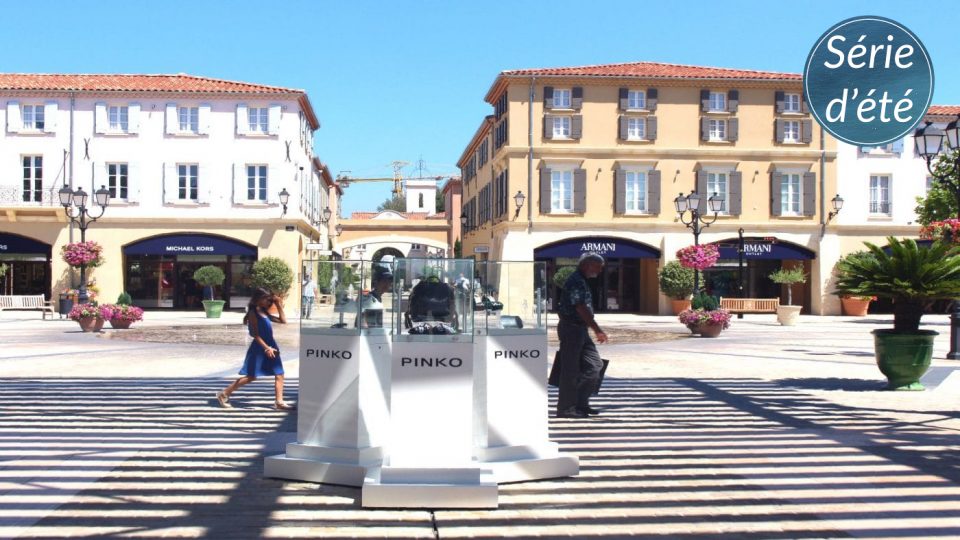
x: 929, y: 142
x: 692, y: 203
x: 75, y: 205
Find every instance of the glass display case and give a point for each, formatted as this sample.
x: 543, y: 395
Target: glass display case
x: 436, y: 300
x: 350, y: 298
x: 509, y: 297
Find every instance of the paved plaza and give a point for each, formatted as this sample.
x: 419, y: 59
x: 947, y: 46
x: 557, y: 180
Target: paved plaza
x: 765, y: 432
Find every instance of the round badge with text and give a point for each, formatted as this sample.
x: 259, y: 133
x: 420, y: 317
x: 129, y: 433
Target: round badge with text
x: 868, y: 81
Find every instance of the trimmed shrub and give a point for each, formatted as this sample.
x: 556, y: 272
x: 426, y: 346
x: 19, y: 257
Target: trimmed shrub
x: 561, y: 275
x: 124, y: 299
x: 676, y: 280
x: 272, y: 274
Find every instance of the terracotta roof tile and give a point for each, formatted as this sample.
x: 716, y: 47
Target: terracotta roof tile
x: 130, y: 83
x: 946, y: 110
x: 656, y: 70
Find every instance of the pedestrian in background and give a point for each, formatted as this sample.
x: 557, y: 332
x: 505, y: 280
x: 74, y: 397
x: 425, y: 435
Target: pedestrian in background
x: 263, y: 355
x: 580, y: 363
x: 308, y: 295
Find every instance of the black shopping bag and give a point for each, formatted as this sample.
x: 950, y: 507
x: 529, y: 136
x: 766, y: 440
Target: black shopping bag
x: 554, y: 378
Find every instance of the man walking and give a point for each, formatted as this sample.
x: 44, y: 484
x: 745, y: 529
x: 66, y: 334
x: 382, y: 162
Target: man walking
x: 580, y: 362
x: 309, y: 294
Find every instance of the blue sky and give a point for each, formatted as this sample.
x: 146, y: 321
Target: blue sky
x: 406, y: 80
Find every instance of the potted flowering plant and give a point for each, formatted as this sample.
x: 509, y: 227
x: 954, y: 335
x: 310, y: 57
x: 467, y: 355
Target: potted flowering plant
x: 121, y: 316
x: 77, y: 254
x: 705, y: 317
x: 88, y: 316
x: 699, y: 257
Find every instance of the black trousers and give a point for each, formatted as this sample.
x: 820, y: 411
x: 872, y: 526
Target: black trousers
x: 580, y: 366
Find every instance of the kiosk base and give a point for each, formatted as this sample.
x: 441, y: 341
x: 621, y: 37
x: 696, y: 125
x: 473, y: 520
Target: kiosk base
x: 327, y: 465
x: 429, y: 487
x: 523, y: 463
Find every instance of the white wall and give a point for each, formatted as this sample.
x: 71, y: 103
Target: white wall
x: 427, y: 188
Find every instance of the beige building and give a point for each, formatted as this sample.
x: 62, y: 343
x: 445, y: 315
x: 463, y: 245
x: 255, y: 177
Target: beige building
x: 603, y: 152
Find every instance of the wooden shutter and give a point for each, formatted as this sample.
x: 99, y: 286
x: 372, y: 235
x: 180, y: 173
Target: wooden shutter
x: 547, y: 97
x: 273, y: 184
x: 809, y: 193
x: 203, y: 119
x: 14, y: 120
x: 548, y: 126
x: 171, y: 183
x: 806, y: 131
x: 733, y: 129
x: 204, y: 183
x: 133, y: 182
x: 576, y: 126
x: 50, y: 117
x: 704, y: 100
x: 620, y: 191
x: 733, y: 100
x: 651, y: 99
x: 545, y: 191
x: 580, y: 191
x: 653, y: 192
x: 624, y: 99
x: 779, y: 98
x: 100, y: 122
x: 804, y: 108
x: 239, y: 183
x: 735, y: 204
x: 776, y: 204
x: 173, y: 123
x: 651, y: 128
x: 576, y: 98
x: 704, y: 129
x: 778, y: 130
x: 622, y: 134
x: 273, y: 119
x: 702, y: 184
x: 243, y: 121
x: 133, y: 118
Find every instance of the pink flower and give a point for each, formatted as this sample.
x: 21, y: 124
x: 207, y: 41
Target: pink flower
x: 82, y: 253
x: 698, y: 257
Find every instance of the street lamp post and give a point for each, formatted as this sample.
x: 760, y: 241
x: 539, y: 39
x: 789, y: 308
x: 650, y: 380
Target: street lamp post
x: 75, y: 205
x: 929, y: 142
x: 691, y: 203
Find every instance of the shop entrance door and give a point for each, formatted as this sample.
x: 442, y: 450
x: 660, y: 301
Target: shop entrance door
x: 26, y: 278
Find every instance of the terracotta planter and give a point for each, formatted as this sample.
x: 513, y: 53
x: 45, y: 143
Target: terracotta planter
x: 679, y: 305
x: 91, y: 324
x: 120, y: 325
x: 710, y: 330
x: 854, y: 306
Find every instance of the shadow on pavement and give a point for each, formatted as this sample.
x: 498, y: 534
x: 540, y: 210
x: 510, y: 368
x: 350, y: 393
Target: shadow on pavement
x: 833, y: 383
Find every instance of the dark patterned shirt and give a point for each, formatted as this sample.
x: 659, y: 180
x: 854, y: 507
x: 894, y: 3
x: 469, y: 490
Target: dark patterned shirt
x: 575, y: 291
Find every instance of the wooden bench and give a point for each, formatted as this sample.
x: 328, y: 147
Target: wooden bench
x: 34, y: 301
x: 750, y: 305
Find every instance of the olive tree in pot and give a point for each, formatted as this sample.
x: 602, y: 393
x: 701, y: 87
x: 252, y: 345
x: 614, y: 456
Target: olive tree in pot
x: 676, y: 281
x: 788, y: 314
x: 913, y: 277
x: 209, y: 277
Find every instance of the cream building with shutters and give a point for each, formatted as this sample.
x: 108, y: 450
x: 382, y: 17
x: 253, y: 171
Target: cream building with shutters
x: 194, y: 165
x: 603, y: 151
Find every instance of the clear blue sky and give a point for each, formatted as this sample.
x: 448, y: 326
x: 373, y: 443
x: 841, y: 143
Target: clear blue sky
x: 405, y: 80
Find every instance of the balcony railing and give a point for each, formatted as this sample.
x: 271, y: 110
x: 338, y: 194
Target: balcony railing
x: 15, y: 195
x: 879, y: 207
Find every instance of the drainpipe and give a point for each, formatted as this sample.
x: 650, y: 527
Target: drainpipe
x: 533, y: 81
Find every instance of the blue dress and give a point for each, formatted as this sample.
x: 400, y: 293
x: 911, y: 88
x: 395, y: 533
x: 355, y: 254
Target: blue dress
x: 257, y: 363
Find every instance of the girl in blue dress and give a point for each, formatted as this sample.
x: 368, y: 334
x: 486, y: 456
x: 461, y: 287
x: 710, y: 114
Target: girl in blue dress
x: 263, y: 356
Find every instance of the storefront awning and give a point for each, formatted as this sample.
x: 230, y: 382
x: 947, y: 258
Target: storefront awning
x: 606, y: 246
x: 189, y: 244
x: 764, y: 249
x: 14, y: 243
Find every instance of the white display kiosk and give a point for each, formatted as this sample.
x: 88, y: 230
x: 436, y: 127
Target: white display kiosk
x: 407, y: 395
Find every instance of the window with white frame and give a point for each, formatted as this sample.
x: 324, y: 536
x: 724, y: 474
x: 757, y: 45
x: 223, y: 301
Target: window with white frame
x: 636, y: 99
x: 636, y: 129
x: 118, y: 182
x: 718, y: 130
x: 561, y: 98
x: 718, y: 102
x: 32, y: 116
x: 717, y: 183
x: 636, y: 187
x: 791, y: 103
x: 189, y: 119
x: 561, y: 127
x: 118, y: 118
x: 791, y: 131
x: 32, y: 178
x: 187, y: 181
x: 561, y: 190
x: 790, y: 194
x: 258, y: 119
x: 880, y: 194
x: 257, y: 183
